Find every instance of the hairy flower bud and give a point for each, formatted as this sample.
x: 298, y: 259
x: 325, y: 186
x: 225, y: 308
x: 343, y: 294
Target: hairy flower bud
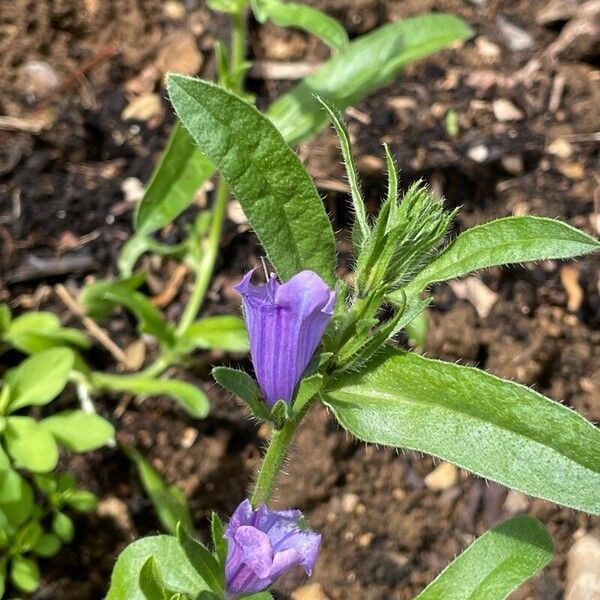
x: 263, y: 544
x: 285, y: 324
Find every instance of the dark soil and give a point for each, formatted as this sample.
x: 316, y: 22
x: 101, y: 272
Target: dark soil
x: 385, y: 534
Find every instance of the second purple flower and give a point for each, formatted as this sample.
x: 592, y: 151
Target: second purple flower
x: 285, y: 324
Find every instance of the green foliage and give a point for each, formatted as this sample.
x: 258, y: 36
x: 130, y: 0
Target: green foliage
x: 498, y: 429
x: 93, y: 297
x: 78, y: 430
x: 100, y: 297
x: 173, y: 183
x: 35, y: 331
x: 217, y: 530
x: 191, y: 398
x: 200, y: 557
x: 32, y: 521
x: 369, y: 62
x: 495, y: 564
x: 291, y: 14
x: 169, y: 501
x: 361, y: 230
x: 244, y: 387
x: 406, y: 236
x: 277, y: 195
x: 177, y: 574
x: 505, y: 241
x: 39, y: 379
x: 30, y: 446
x: 222, y: 332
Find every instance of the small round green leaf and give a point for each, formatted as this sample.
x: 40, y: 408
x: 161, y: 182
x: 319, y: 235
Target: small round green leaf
x: 81, y: 500
x: 40, y: 378
x: 30, y: 445
x: 63, y: 527
x: 25, y: 574
x: 78, y: 430
x: 47, y: 545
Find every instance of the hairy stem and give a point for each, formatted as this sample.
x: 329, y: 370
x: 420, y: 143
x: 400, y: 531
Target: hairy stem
x: 274, y: 457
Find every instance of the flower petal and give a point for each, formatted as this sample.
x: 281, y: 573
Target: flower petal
x: 257, y: 550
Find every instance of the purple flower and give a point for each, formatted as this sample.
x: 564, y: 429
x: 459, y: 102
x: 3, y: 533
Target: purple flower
x: 285, y: 324
x: 262, y: 545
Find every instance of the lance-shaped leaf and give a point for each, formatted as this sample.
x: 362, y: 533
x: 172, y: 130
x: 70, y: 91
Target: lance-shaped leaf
x: 223, y: 332
x: 173, y: 183
x: 292, y: 14
x: 369, y: 62
x: 505, y: 241
x: 276, y: 193
x: 169, y: 501
x: 495, y: 428
x: 191, y: 398
x: 495, y: 564
x: 365, y: 64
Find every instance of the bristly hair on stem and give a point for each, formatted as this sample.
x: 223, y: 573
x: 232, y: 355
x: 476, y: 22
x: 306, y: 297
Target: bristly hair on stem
x: 407, y: 235
x: 408, y: 232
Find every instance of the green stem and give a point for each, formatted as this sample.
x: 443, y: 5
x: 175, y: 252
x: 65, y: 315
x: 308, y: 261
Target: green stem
x: 238, y: 42
x: 157, y: 367
x: 206, y: 264
x: 273, y: 459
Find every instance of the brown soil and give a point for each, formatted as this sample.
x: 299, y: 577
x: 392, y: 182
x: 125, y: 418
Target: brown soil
x: 385, y: 533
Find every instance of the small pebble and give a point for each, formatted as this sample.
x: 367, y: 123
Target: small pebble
x: 515, y: 37
x: 113, y: 508
x: 132, y: 188
x: 516, y: 502
x: 505, y: 110
x: 479, y: 153
x: 513, y: 163
x: 38, y: 79
x: 311, y: 591
x: 560, y: 147
x: 190, y: 435
x: 583, y: 575
x: 349, y: 502
x: 487, y: 49
x: 180, y: 54
x: 143, y: 108
x: 443, y: 477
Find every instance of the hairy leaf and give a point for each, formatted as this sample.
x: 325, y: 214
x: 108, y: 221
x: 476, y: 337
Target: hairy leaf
x: 367, y: 63
x: 201, y: 559
x: 505, y: 241
x: 498, y: 429
x: 276, y: 193
x: 495, y: 564
x: 151, y: 581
